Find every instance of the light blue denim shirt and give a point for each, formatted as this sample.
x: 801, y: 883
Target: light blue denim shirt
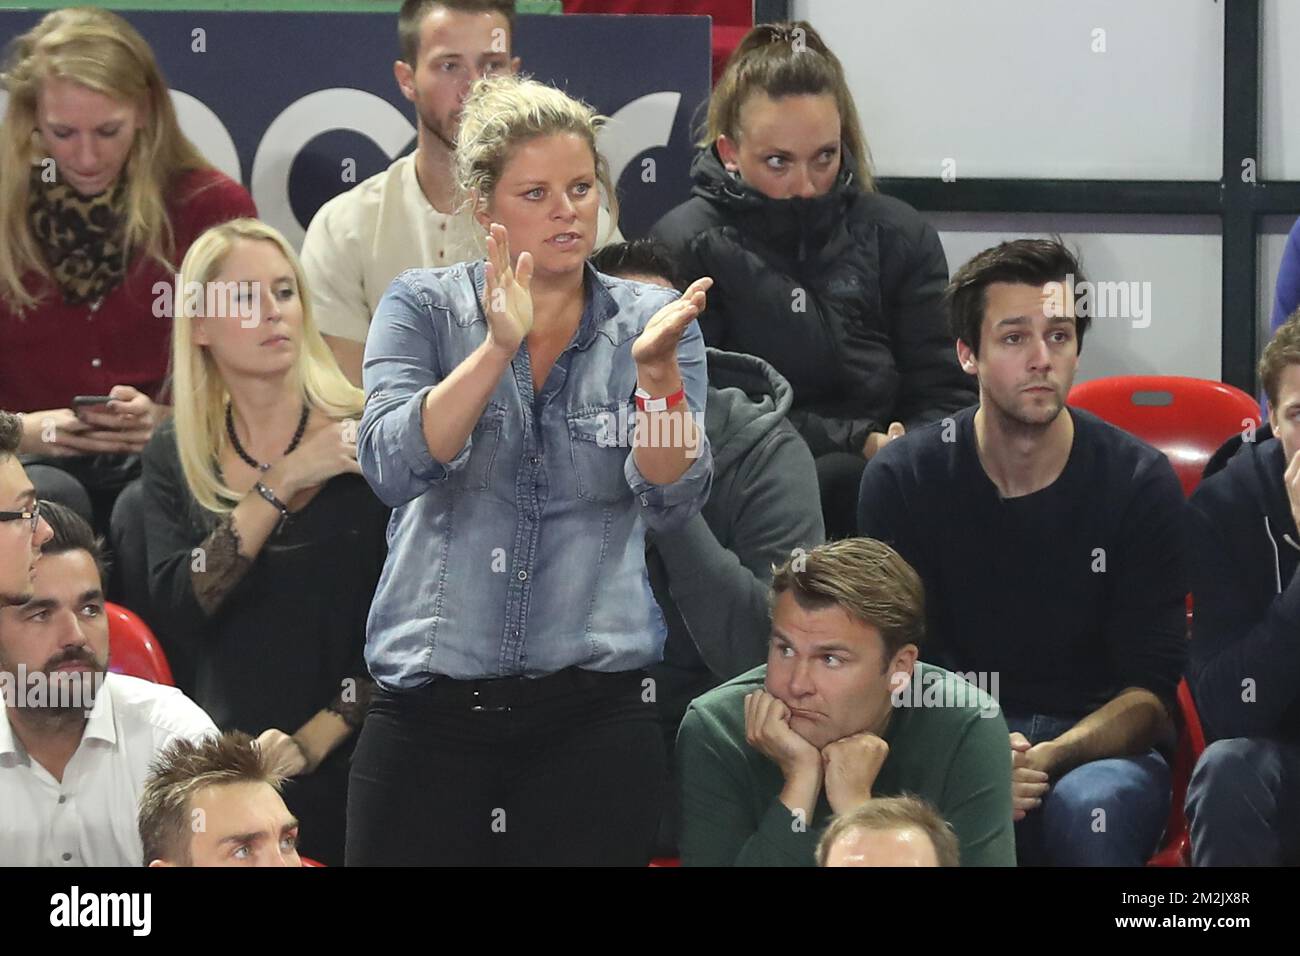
x: 525, y: 553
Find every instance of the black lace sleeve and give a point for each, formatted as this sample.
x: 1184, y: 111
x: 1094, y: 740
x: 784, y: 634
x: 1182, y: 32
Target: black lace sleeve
x: 222, y: 566
x: 352, y: 702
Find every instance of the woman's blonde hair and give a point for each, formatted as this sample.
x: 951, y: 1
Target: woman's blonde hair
x: 199, y: 391
x: 102, y: 52
x: 504, y: 111
x: 786, y: 59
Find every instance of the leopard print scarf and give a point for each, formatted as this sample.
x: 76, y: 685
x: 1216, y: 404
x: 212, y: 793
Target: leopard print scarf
x: 82, y: 237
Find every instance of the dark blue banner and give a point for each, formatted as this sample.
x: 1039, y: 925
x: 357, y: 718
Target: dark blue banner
x: 301, y: 106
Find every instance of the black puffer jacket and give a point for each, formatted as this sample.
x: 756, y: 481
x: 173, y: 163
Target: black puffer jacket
x: 841, y: 293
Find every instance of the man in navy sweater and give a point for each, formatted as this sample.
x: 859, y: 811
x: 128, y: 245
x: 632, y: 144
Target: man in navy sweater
x: 1245, y: 661
x: 1050, y: 544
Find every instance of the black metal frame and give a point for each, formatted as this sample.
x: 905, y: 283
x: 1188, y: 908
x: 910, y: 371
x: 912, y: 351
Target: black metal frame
x: 1239, y: 204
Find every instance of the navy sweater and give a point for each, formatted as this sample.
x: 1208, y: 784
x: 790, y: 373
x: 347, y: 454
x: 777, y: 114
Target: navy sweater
x: 1070, y: 594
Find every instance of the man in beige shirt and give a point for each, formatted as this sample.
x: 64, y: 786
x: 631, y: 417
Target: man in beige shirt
x: 406, y: 217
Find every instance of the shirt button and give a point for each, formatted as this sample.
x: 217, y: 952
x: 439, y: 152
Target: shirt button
x: 442, y: 253
x: 443, y: 227
x: 67, y: 857
x: 63, y: 798
x: 96, y: 363
x: 523, y: 575
x: 534, y: 460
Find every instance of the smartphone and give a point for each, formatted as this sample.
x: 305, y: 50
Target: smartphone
x: 91, y: 400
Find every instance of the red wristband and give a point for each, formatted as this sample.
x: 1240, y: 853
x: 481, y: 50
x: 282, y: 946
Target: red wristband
x: 647, y: 404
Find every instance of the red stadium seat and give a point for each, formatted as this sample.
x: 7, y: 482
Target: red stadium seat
x: 132, y: 648
x: 1191, y: 743
x: 1186, y: 418
x: 660, y: 862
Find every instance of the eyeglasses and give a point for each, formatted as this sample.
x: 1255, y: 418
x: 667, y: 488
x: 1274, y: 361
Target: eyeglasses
x: 34, y: 516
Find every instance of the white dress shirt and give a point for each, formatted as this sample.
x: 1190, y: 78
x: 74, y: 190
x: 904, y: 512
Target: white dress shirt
x: 89, y: 819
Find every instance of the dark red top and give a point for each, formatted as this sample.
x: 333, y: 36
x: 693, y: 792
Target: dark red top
x: 56, y: 350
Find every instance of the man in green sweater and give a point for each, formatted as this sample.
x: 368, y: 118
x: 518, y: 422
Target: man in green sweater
x: 837, y: 716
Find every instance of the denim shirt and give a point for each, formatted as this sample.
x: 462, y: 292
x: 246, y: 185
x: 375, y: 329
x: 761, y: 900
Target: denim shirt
x: 525, y: 553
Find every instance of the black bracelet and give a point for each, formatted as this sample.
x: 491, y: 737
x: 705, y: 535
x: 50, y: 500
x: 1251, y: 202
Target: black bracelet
x: 275, y: 502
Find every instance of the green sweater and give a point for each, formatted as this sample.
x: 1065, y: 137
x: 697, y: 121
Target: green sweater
x: 951, y: 755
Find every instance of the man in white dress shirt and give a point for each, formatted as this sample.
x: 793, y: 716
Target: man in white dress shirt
x: 76, y: 742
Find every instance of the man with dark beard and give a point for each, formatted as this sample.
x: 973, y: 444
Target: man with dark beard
x: 75, y: 741
x: 1050, y: 544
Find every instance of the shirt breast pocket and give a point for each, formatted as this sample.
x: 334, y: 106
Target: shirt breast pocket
x: 477, y: 473
x: 599, y: 444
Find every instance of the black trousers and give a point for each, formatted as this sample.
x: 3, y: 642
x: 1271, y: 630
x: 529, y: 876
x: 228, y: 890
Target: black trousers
x: 564, y: 770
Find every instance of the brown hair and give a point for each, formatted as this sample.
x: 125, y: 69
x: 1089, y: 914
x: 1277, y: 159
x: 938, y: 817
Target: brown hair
x: 1282, y: 350
x: 1020, y: 261
x: 411, y: 18
x: 183, y: 769
x: 11, y: 434
x: 865, y: 577
x: 786, y: 59
x: 894, y: 813
x: 73, y: 533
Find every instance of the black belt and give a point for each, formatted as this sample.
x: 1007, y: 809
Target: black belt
x: 498, y: 694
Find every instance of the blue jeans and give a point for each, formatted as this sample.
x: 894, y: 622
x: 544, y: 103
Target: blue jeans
x: 1108, y: 812
x: 1241, y: 803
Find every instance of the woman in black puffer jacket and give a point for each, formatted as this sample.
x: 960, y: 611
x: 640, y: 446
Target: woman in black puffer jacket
x: 839, y: 287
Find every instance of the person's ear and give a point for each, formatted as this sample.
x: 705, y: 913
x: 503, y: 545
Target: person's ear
x: 515, y: 62
x: 481, y: 214
x: 966, y: 358
x: 902, y: 667
x: 154, y: 863
x: 729, y: 153
x: 405, y: 77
